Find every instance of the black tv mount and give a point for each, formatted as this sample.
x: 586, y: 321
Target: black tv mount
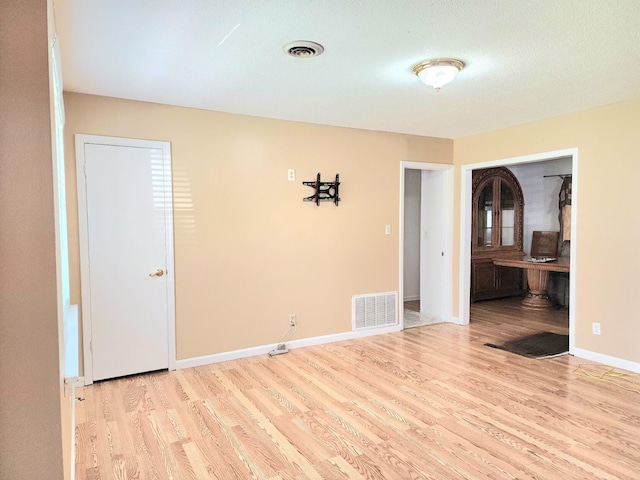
x: 324, y: 191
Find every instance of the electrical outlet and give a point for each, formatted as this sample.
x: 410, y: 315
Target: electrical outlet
x: 596, y: 328
x: 292, y: 319
x: 291, y: 175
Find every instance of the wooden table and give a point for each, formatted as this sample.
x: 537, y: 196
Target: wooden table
x: 537, y: 278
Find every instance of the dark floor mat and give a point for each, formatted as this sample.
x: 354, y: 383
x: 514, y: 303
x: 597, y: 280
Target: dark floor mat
x: 540, y: 345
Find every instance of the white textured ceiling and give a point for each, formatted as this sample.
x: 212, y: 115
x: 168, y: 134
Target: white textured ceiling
x: 525, y: 59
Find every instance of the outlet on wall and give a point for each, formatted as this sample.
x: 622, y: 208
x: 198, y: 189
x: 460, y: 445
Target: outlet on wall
x: 596, y: 328
x: 292, y: 319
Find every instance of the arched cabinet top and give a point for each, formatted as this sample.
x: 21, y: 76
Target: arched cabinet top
x: 488, y: 240
x: 486, y: 175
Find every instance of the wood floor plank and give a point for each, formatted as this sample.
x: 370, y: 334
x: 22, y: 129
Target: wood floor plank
x: 217, y: 439
x: 430, y: 402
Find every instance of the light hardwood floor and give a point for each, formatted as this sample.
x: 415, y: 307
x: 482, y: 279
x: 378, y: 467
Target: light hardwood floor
x: 430, y: 402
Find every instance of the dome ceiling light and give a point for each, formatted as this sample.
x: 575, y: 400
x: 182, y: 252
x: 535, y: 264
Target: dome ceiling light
x: 437, y: 73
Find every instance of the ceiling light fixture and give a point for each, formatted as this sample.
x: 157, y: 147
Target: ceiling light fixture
x: 437, y: 73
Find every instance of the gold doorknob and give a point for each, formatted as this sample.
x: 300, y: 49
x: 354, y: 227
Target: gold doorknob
x: 158, y: 273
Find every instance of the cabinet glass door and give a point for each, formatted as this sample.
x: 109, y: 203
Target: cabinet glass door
x: 485, y: 216
x: 507, y: 214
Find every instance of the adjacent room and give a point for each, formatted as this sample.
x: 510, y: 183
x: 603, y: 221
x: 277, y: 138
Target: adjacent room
x: 318, y: 239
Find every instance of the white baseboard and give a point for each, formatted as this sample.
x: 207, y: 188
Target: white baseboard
x: 411, y: 298
x: 223, y: 357
x: 265, y: 349
x: 606, y: 359
x: 455, y: 320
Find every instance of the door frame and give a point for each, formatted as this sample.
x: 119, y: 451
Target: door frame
x: 81, y: 140
x: 447, y: 228
x: 465, y: 229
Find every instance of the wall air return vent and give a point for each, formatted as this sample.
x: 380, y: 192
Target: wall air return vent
x: 374, y: 310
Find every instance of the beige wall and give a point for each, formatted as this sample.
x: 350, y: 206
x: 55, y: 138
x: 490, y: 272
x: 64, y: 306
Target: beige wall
x: 608, y: 226
x: 30, y: 396
x: 248, y: 250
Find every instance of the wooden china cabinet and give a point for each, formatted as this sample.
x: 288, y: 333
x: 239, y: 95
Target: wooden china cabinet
x: 498, y: 211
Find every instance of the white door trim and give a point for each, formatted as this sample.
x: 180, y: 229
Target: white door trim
x: 83, y: 231
x: 465, y: 230
x: 447, y: 228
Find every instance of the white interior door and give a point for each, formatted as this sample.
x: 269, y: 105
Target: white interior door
x: 432, y: 245
x: 127, y: 255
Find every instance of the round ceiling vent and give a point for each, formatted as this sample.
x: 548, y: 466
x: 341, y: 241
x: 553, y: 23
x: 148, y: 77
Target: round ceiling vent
x: 303, y: 49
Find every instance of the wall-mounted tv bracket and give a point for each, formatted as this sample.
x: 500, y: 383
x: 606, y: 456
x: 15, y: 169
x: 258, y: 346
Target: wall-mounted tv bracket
x: 324, y: 191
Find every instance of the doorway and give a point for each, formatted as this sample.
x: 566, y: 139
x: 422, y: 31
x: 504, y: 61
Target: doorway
x: 465, y: 237
x: 126, y: 255
x: 425, y: 243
